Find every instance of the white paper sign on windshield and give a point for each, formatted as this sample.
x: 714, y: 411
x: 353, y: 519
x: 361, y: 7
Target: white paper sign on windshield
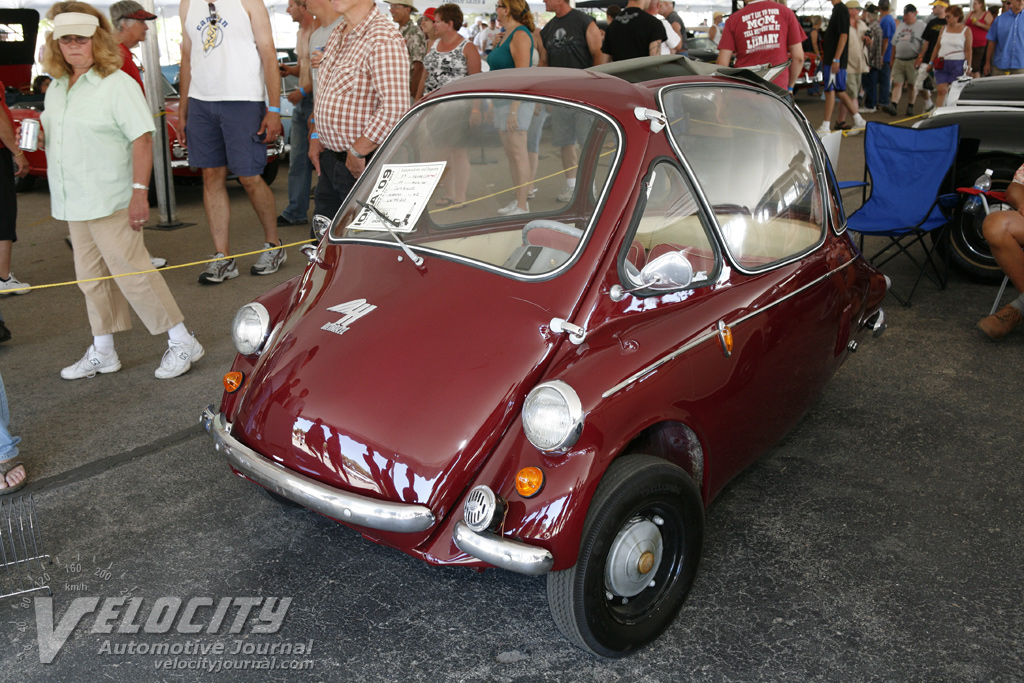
x: 401, y: 193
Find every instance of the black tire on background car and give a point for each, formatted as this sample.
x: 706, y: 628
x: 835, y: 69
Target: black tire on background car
x: 639, y: 553
x: 962, y: 244
x: 24, y: 184
x: 270, y: 171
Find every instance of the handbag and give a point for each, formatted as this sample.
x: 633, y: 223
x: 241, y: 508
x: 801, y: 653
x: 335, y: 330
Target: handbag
x: 939, y: 63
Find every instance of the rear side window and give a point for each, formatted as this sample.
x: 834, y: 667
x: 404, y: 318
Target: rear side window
x: 754, y: 162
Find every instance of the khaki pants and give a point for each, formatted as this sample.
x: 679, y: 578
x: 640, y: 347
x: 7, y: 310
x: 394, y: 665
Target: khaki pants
x: 108, y: 246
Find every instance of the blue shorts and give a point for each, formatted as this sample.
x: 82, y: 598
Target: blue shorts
x: 951, y: 70
x: 570, y: 126
x: 224, y: 134
x: 524, y: 114
x: 840, y: 82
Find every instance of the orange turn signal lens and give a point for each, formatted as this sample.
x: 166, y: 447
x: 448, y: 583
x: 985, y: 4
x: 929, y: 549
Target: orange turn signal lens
x: 725, y: 337
x: 529, y: 481
x: 232, y: 381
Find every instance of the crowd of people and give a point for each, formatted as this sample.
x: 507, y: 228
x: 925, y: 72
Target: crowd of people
x: 358, y: 73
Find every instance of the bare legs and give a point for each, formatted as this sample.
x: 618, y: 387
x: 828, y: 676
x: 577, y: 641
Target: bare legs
x: 218, y: 206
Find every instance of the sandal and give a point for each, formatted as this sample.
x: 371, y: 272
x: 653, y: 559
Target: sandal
x: 843, y: 126
x: 444, y: 202
x: 5, y: 467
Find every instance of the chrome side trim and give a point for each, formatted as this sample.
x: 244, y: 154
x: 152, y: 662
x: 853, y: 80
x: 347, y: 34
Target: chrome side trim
x: 503, y: 552
x: 713, y: 334
x: 327, y: 500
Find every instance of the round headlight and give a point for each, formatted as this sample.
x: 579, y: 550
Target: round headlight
x: 249, y: 328
x: 553, y: 416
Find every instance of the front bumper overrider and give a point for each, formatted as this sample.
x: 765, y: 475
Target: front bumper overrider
x: 493, y: 549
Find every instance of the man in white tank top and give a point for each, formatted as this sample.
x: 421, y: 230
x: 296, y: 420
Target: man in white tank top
x: 228, y: 72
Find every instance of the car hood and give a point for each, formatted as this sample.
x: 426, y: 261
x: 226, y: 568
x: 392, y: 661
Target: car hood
x: 1006, y: 91
x: 402, y: 394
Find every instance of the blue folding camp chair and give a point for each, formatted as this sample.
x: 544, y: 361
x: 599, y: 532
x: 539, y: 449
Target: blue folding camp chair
x: 906, y: 167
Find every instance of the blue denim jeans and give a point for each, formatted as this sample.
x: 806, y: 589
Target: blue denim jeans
x: 334, y: 185
x: 300, y: 167
x: 884, y: 84
x: 870, y: 84
x: 8, y: 443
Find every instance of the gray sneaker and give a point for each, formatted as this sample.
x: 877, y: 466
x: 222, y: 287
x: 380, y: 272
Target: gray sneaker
x: 220, y: 270
x: 269, y: 261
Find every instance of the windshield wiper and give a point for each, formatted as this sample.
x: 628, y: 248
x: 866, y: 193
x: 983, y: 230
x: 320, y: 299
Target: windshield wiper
x: 417, y: 260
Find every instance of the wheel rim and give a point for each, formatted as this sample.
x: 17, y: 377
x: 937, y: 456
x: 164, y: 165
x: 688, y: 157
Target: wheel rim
x: 654, y: 537
x: 969, y: 240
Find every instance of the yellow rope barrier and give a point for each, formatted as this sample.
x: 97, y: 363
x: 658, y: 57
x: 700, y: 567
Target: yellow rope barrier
x: 154, y: 270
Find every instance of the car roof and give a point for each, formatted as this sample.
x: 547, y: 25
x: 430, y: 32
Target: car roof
x: 614, y: 87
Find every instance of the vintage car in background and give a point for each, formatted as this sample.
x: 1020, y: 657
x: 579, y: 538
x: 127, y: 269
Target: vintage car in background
x: 559, y: 389
x: 701, y: 48
x: 182, y: 172
x: 990, y: 113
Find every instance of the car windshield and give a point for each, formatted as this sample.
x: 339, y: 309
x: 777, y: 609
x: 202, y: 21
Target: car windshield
x: 484, y: 180
x: 756, y: 167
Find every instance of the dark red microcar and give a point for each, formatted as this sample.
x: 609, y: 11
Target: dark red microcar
x: 547, y: 348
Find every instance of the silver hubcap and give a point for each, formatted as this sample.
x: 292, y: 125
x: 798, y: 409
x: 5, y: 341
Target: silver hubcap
x: 634, y: 558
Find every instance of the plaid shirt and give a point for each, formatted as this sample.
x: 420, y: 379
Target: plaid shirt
x: 363, y: 83
x: 875, y: 49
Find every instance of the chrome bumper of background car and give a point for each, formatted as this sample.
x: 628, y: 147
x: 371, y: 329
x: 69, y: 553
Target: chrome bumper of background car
x: 503, y: 552
x: 326, y: 500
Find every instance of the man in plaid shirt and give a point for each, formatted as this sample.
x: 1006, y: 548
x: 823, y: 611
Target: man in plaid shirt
x: 875, y: 46
x: 363, y: 92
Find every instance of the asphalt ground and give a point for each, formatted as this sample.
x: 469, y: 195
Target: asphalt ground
x: 879, y: 541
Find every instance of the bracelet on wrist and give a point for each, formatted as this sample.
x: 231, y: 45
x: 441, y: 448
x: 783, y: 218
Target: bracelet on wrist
x: 357, y: 155
x: 302, y: 90
x: 314, y: 136
x: 19, y: 154
x: 139, y: 186
x: 274, y: 110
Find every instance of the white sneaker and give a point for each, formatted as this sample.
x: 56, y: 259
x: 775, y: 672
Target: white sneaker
x: 869, y: 110
x: 824, y: 129
x: 506, y: 210
x: 859, y: 124
x: 566, y: 195
x: 220, y: 270
x: 928, y: 107
x: 157, y: 261
x: 92, y: 362
x: 517, y: 211
x: 13, y: 283
x: 178, y: 358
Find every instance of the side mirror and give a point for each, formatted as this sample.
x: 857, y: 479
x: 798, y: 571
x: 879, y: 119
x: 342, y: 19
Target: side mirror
x: 665, y: 273
x: 321, y: 224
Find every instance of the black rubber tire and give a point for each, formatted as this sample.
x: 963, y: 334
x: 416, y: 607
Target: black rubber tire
x: 270, y: 171
x: 962, y: 244
x: 278, y: 498
x: 24, y: 184
x: 634, y: 486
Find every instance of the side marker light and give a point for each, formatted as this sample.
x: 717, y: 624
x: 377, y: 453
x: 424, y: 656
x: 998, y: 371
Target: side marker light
x: 232, y: 381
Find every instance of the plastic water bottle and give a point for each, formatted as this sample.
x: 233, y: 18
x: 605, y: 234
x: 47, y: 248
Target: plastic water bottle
x: 983, y: 184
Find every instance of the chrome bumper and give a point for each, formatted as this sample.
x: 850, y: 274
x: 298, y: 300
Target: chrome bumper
x: 503, y: 552
x: 347, y: 507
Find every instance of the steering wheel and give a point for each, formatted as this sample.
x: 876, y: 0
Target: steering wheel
x: 554, y: 226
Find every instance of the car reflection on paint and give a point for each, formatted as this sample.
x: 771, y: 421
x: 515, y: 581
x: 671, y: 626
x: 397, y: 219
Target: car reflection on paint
x: 557, y: 381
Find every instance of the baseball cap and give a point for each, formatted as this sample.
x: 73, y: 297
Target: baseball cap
x: 940, y: 3
x: 129, y: 9
x: 404, y: 3
x: 429, y: 13
x: 909, y: 8
x: 74, y: 24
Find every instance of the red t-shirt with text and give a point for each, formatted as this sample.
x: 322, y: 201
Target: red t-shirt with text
x: 761, y: 33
